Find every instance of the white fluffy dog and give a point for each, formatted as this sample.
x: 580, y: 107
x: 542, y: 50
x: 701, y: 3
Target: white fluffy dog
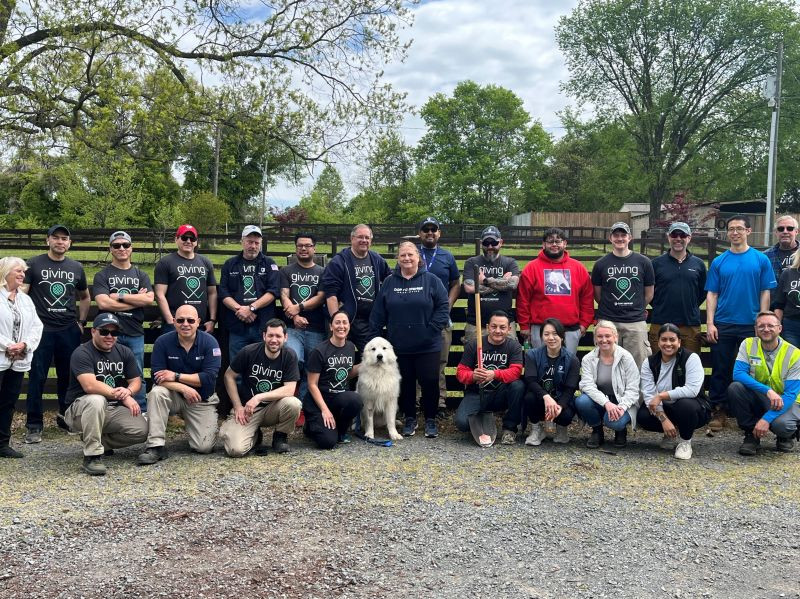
x: 379, y: 387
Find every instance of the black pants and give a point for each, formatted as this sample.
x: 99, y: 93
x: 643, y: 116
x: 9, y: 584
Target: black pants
x: 748, y: 406
x: 10, y: 385
x: 54, y: 346
x: 687, y: 414
x: 344, y: 407
x: 422, y: 369
x: 359, y: 332
x: 723, y: 355
x: 534, y: 408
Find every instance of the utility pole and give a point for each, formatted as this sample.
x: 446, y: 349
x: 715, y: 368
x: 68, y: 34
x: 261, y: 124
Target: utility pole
x: 775, y: 103
x: 216, y: 161
x: 264, y: 180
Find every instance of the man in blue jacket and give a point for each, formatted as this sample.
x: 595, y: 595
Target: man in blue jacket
x: 249, y: 285
x: 351, y: 282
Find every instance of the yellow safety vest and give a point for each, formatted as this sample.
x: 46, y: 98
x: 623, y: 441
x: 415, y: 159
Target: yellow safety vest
x: 758, y: 363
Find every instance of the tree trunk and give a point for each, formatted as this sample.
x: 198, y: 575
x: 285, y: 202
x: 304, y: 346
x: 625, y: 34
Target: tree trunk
x: 656, y: 193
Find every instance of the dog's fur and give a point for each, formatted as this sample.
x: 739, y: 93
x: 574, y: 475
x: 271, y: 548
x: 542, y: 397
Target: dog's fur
x: 379, y: 387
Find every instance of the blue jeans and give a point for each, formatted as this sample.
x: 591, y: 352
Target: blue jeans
x: 723, y: 355
x: 58, y: 346
x: 594, y: 414
x: 791, y: 331
x: 237, y: 341
x: 507, y: 397
x: 136, y: 345
x: 303, y: 342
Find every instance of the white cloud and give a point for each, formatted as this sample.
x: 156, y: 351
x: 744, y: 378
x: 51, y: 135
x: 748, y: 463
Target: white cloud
x: 510, y: 43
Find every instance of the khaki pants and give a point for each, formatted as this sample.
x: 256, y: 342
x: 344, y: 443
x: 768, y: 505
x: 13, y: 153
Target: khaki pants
x: 690, y: 337
x: 200, y: 418
x: 633, y: 337
x: 469, y: 332
x: 103, y: 426
x: 238, y: 439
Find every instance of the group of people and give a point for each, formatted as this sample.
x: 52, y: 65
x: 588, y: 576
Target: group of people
x: 307, y: 360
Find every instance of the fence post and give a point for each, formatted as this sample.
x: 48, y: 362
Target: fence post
x: 334, y: 247
x: 712, y: 248
x: 643, y: 243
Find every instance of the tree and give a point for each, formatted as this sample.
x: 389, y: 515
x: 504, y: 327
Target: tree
x: 677, y: 73
x: 325, y: 203
x: 206, y: 212
x: 482, y: 141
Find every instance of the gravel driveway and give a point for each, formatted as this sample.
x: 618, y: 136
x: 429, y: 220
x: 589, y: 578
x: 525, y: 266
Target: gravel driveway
x: 426, y: 518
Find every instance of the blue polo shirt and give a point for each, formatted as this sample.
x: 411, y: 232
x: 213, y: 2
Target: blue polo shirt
x: 441, y: 263
x: 204, y: 358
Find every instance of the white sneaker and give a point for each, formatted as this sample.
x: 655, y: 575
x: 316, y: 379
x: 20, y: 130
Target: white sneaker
x: 683, y: 451
x: 562, y: 434
x: 537, y: 435
x: 667, y: 443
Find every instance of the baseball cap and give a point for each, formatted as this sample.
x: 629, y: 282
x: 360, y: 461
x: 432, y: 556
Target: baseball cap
x: 491, y: 232
x: 55, y: 228
x: 105, y: 319
x: 119, y: 235
x: 429, y: 220
x: 186, y: 229
x: 679, y: 226
x: 251, y: 230
x: 621, y: 225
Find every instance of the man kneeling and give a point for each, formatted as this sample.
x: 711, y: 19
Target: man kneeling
x: 269, y: 377
x: 103, y: 379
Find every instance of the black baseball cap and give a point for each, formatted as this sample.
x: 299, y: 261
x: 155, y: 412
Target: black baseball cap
x: 55, y: 228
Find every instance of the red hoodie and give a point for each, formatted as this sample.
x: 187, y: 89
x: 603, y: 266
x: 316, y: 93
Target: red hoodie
x: 566, y: 293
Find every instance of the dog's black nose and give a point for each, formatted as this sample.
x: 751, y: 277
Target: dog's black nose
x: 379, y: 357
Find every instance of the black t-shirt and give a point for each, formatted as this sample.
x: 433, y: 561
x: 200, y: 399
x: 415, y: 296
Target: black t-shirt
x: 333, y: 365
x: 116, y: 280
x: 787, y: 297
x: 260, y: 373
x: 303, y: 284
x: 364, y: 285
x: 53, y: 288
x: 623, y: 281
x: 187, y: 281
x: 547, y: 378
x: 495, y: 300
x: 114, y: 368
x: 495, y: 357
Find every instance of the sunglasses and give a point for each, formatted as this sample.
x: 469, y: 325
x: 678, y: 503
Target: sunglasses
x: 188, y: 238
x: 107, y: 333
x: 120, y: 246
x: 189, y: 320
x: 676, y: 234
x: 429, y: 229
x: 490, y: 243
x: 782, y: 229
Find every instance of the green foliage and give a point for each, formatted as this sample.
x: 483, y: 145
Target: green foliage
x: 206, y: 212
x: 325, y: 203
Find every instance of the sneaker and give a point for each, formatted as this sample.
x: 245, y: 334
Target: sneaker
x: 668, y: 443
x: 596, y: 439
x: 537, y: 435
x: 280, y: 442
x: 784, y: 444
x: 93, y: 465
x: 151, y: 455
x: 33, y: 437
x: 683, y: 450
x: 344, y: 438
x: 621, y: 438
x: 410, y: 427
x: 508, y: 438
x: 750, y: 445
x: 431, y: 430
x: 6, y: 451
x: 108, y: 452
x: 718, y: 420
x: 562, y: 434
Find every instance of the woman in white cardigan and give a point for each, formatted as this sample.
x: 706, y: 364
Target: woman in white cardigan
x: 609, y: 387
x: 20, y: 331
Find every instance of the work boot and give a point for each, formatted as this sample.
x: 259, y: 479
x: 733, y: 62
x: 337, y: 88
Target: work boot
x: 6, y: 451
x: 596, y: 439
x: 280, y: 442
x: 784, y: 444
x: 151, y: 455
x: 537, y: 435
x: 621, y: 438
x: 562, y: 434
x: 93, y: 465
x: 750, y: 445
x: 718, y: 420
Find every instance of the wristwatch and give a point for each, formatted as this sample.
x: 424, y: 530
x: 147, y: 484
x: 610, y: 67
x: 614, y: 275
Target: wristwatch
x: 253, y: 308
x: 177, y: 376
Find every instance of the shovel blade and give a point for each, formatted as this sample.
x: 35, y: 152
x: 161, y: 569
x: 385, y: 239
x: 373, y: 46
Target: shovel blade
x: 483, y: 428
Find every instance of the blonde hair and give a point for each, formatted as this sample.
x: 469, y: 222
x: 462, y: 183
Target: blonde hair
x: 8, y: 264
x: 607, y: 324
x: 796, y: 259
x: 413, y: 245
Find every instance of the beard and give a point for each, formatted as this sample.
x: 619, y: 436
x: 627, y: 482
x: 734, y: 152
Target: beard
x: 491, y: 253
x: 553, y: 255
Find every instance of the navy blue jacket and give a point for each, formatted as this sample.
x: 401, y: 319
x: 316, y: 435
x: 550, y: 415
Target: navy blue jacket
x: 204, y: 359
x: 679, y: 290
x: 414, y: 312
x: 339, y: 278
x: 267, y: 278
x: 565, y: 377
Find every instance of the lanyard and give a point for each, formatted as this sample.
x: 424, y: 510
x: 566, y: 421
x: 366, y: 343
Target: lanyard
x: 433, y: 258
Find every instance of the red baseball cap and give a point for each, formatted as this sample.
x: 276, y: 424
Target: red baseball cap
x: 183, y: 229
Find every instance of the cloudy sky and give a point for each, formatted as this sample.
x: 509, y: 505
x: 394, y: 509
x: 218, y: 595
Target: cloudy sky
x: 510, y: 43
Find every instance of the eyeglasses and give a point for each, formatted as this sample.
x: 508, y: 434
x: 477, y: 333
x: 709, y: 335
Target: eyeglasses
x: 188, y: 320
x: 429, y: 229
x: 188, y: 238
x: 554, y: 241
x: 782, y: 229
x: 737, y: 229
x: 676, y: 234
x: 304, y: 246
x: 120, y: 246
x: 490, y: 243
x: 107, y: 333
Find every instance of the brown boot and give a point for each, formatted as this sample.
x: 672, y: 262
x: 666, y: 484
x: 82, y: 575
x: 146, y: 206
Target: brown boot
x: 718, y: 420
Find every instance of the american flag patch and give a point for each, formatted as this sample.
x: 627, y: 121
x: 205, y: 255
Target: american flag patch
x: 216, y: 352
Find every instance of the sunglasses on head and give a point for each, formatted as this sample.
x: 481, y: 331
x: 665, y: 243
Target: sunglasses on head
x: 490, y: 243
x: 119, y: 246
x: 189, y: 320
x: 108, y: 332
x: 188, y: 238
x: 782, y: 229
x: 676, y: 234
x: 430, y: 229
